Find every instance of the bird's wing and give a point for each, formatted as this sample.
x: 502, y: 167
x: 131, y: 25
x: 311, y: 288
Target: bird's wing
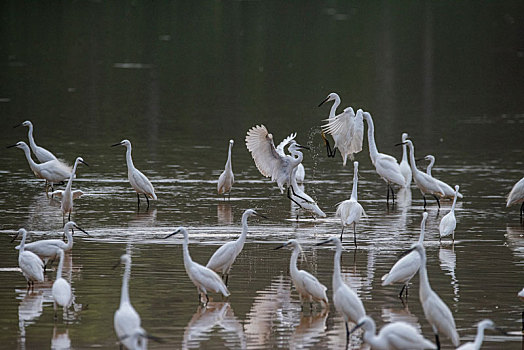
x: 341, y: 128
x: 57, y: 193
x: 388, y: 168
x: 143, y: 182
x: 260, y: 143
x: 403, y: 270
x: 313, y: 286
x: 403, y: 336
x: 439, y: 314
x: 516, y: 194
x: 284, y: 143
x: 222, y: 256
x: 77, y: 194
x: 357, y: 136
x: 211, y: 281
x: 349, y: 211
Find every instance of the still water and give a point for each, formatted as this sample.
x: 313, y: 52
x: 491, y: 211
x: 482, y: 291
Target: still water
x: 179, y: 79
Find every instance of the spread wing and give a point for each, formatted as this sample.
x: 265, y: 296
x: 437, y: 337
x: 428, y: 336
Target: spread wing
x: 357, y: 136
x: 341, y: 127
x: 260, y: 143
x: 284, y: 143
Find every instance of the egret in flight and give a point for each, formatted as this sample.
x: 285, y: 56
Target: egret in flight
x: 226, y: 179
x: 62, y: 294
x: 138, y: 181
x: 40, y: 153
x: 31, y: 265
x: 67, y: 195
x: 481, y: 326
x: 449, y: 222
x: 449, y: 192
x: 517, y: 196
x: 308, y: 287
x: 404, y: 164
x: 202, y: 277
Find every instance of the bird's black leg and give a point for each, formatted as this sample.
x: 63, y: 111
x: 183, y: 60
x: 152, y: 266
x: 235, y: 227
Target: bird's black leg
x: 227, y: 277
x: 291, y: 198
x: 392, y: 193
x: 521, y: 211
x: 147, y: 199
x: 387, y: 196
x: 138, y: 197
x: 330, y: 153
x: 355, y: 234
x: 437, y: 341
x: 438, y: 202
x: 402, y: 290
x: 341, y: 233
x: 69, y: 216
x: 347, y: 333
x: 423, y: 196
x: 293, y: 190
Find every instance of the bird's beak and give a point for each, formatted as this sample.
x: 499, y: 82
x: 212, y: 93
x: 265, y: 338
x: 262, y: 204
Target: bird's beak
x: 116, y: 144
x: 280, y: 246
x: 117, y: 264
x: 304, y: 147
x: 14, y: 237
x: 262, y: 216
x: 325, y: 100
x: 356, y: 327
x: 323, y: 242
x: 501, y: 331
x: 399, y: 144
x: 171, y: 234
x: 81, y: 229
x: 84, y: 163
x: 11, y: 146
x: 17, y: 125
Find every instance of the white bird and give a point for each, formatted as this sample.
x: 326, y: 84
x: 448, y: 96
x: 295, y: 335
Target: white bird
x: 308, y: 287
x: 449, y: 222
x: 62, y: 294
x: 345, y: 299
x: 350, y: 211
x: 332, y: 112
x: 481, y: 326
x: 449, y: 192
x: 425, y: 183
x: 31, y: 265
x: 138, y: 181
x: 386, y: 166
x: 224, y: 257
x: 407, y: 266
x: 436, y: 311
x: 40, y: 153
x: 516, y: 195
x: 302, y: 199
x: 404, y: 164
x: 393, y: 336
x: 301, y: 173
x: 202, y: 277
x: 67, y: 195
x: 126, y: 320
x: 227, y: 178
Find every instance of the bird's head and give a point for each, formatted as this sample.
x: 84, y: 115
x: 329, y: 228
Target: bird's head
x: 124, y: 142
x: 404, y: 136
x: 332, y: 240
x: 26, y: 123
x: 80, y: 160
x: 292, y: 242
x: 71, y: 225
x: 332, y: 96
x: 20, y: 144
x: 231, y: 142
x: 181, y: 230
x: 21, y: 231
x: 124, y: 259
x: 251, y: 212
x: 366, y: 323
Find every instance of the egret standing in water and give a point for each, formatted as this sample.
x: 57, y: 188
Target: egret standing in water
x: 449, y: 222
x: 350, y: 211
x: 404, y: 164
x: 62, y: 294
x: 138, y: 181
x: 517, y: 196
x: 31, y: 265
x: 300, y: 171
x: 67, y: 195
x: 346, y: 301
x: 308, y: 287
x: 449, y: 192
x: 202, y: 277
x: 224, y: 257
x: 40, y: 153
x: 481, y: 326
x: 386, y: 166
x: 302, y: 199
x: 407, y: 266
x: 227, y: 178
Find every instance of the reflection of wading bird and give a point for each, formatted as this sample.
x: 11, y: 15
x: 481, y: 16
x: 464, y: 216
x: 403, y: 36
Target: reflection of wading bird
x: 517, y: 196
x: 40, y: 153
x: 449, y: 192
x: 226, y: 179
x: 68, y: 195
x: 31, y: 265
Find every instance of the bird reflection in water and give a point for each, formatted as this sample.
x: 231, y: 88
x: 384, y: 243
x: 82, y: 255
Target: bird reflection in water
x: 60, y: 341
x: 31, y: 307
x: 224, y: 213
x: 145, y: 218
x: 395, y: 315
x: 448, y: 262
x: 309, y: 331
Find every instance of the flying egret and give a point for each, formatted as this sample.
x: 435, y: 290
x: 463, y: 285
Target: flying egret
x: 449, y: 192
x: 425, y: 183
x: 67, y: 195
x: 31, y: 265
x: 407, y: 266
x: 40, y: 153
x: 481, y: 326
x: 386, y: 166
x: 345, y: 299
x: 449, y: 222
x: 202, y: 277
x: 404, y: 164
x: 436, y: 311
x: 227, y: 178
x: 308, y: 287
x: 53, y: 171
x: 47, y: 248
x: 350, y: 211
x: 393, y: 336
x: 138, y: 181
x: 302, y: 199
x: 62, y: 294
x: 269, y: 161
x: 224, y: 257
x: 517, y: 196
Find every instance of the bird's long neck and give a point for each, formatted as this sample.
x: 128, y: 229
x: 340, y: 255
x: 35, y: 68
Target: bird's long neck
x: 60, y: 265
x: 31, y: 138
x: 369, y: 335
x: 70, y: 181
x: 337, y: 274
x: 354, y: 194
x: 293, y: 269
x: 22, y: 243
x: 129, y: 160
x: 69, y: 235
x: 430, y: 166
x: 479, y: 337
x: 425, y: 287
x: 373, y: 152
x: 333, y: 110
x: 404, y: 153
x: 228, y: 162
x: 124, y: 296
x: 30, y: 160
x: 412, y: 162
x: 243, y: 235
x: 454, y: 201
x: 187, y: 258
x: 422, y: 232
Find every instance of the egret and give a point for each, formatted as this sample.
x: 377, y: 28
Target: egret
x: 393, y: 336
x: 40, y: 153
x: 269, y: 161
x: 224, y: 257
x: 53, y: 171
x: 345, y: 299
x: 350, y: 211
x: 126, y: 320
x: 302, y: 199
x: 31, y: 265
x: 449, y: 192
x: 301, y: 173
x: 138, y: 181
x: 347, y: 130
x: 331, y: 97
x: 67, y: 194
x: 449, y: 222
x: 517, y: 196
x: 404, y: 164
x: 308, y: 287
x: 62, y: 294
x: 436, y: 311
x: 227, y: 178
x: 425, y: 183
x: 202, y: 277
x: 386, y: 166
x: 481, y: 326
x: 407, y: 266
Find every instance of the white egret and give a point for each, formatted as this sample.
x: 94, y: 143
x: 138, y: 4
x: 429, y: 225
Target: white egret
x: 302, y: 199
x: 449, y: 222
x: 393, y: 336
x: 31, y: 265
x: 436, y: 311
x: 62, y: 294
x: 301, y: 173
x: 332, y: 112
x: 345, y: 299
x: 481, y: 326
x: 407, y: 266
x: 425, y: 183
x: 40, y: 153
x: 227, y: 178
x: 449, y: 192
x: 386, y: 166
x: 404, y: 164
x: 202, y: 277
x: 308, y: 287
x: 224, y: 257
x: 350, y: 211
x: 516, y: 195
x: 347, y: 130
x: 138, y: 181
x: 67, y: 195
